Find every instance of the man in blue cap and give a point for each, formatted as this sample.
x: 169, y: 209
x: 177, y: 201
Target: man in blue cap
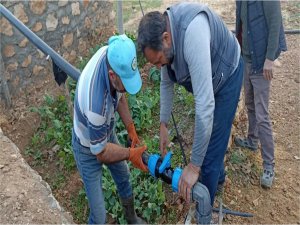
x: 111, y: 72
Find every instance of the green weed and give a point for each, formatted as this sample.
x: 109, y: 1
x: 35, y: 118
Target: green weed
x: 79, y: 205
x: 57, y: 181
x: 55, y: 129
x: 144, y: 108
x: 131, y: 8
x: 237, y: 157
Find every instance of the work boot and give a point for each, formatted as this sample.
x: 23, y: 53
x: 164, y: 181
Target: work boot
x: 246, y: 143
x: 266, y: 180
x: 130, y: 214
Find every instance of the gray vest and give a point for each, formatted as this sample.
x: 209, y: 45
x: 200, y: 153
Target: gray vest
x: 223, y: 46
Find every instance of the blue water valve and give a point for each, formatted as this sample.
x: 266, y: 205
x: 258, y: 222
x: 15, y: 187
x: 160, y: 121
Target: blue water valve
x: 175, y: 179
x: 152, y: 163
x: 166, y: 163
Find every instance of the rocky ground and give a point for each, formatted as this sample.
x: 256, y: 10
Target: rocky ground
x: 24, y: 196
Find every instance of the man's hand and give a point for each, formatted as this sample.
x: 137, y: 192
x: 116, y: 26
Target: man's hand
x: 135, y: 156
x: 132, y: 135
x: 188, y: 178
x: 164, y: 141
x: 268, y: 69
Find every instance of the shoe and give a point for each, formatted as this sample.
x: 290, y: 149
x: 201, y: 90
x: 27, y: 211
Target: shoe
x: 246, y: 143
x: 266, y: 180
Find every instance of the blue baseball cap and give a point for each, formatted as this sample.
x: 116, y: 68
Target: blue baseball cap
x: 121, y: 55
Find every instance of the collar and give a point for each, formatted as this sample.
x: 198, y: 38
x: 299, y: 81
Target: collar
x: 170, y: 26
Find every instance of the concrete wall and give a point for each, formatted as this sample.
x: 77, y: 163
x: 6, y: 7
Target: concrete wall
x: 69, y: 27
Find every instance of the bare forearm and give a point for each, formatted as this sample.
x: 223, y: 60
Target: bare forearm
x: 123, y: 111
x: 113, y: 153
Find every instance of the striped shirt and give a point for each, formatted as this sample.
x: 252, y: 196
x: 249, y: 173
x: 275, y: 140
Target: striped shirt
x: 94, y: 106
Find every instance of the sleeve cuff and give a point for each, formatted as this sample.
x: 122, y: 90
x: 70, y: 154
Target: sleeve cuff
x: 98, y: 148
x: 197, y: 162
x: 164, y: 119
x: 270, y: 56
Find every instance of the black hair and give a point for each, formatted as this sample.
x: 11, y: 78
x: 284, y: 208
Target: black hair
x: 150, y: 31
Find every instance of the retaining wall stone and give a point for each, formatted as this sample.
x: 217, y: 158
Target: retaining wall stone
x: 69, y: 27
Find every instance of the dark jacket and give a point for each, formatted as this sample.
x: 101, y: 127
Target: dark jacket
x: 223, y: 46
x: 258, y: 34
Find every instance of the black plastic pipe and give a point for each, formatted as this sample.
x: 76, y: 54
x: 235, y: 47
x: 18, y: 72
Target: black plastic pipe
x: 232, y: 212
x: 292, y: 31
x: 285, y: 31
x: 40, y: 44
x: 166, y: 176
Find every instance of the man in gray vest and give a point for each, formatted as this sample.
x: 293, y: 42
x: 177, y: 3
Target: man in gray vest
x: 260, y: 33
x: 193, y: 48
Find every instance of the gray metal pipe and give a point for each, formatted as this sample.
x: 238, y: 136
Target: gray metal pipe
x: 40, y: 44
x: 120, y: 17
x: 201, y: 195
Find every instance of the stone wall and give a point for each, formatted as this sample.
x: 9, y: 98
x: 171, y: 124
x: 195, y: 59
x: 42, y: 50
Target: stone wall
x: 69, y: 27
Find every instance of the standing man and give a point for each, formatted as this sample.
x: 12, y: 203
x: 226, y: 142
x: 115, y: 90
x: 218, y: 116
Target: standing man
x: 99, y: 94
x: 193, y: 48
x: 260, y: 32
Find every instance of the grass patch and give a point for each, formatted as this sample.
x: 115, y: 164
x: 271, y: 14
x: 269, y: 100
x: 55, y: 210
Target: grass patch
x: 132, y: 8
x: 237, y: 157
x: 79, y: 204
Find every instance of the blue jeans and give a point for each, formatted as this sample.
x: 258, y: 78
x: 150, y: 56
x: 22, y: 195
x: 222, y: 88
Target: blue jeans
x: 226, y: 101
x: 90, y: 170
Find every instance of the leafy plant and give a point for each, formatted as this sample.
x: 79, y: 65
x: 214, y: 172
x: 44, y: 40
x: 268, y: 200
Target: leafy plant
x: 154, y: 74
x: 79, y: 205
x: 56, y: 127
x: 149, y: 196
x: 111, y: 198
x: 143, y: 107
